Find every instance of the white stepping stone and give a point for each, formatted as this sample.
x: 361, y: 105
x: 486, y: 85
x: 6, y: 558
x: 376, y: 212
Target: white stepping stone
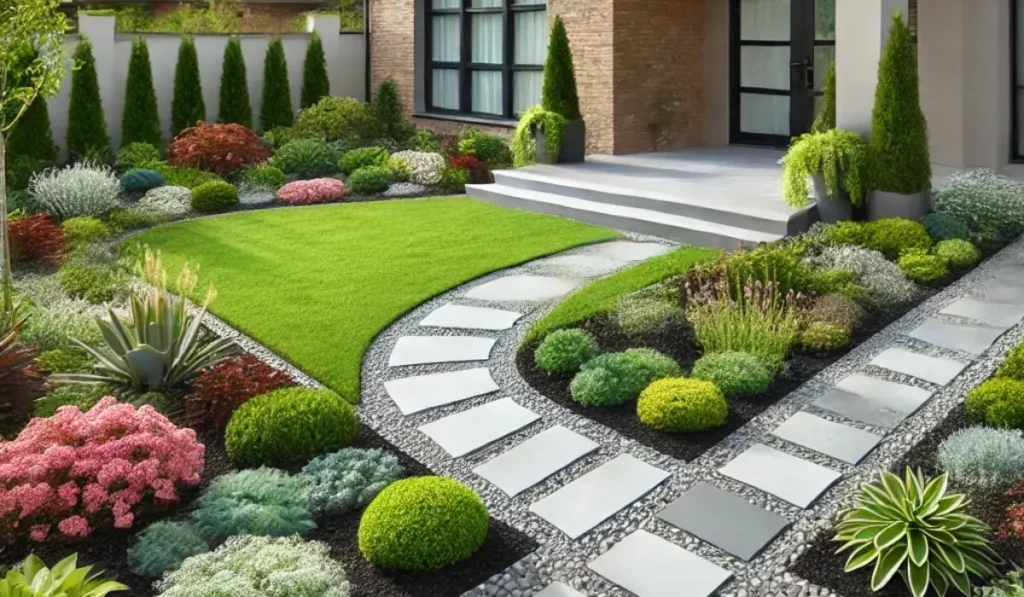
x: 463, y: 317
x: 965, y: 338
x: 648, y: 566
x: 841, y: 442
x: 523, y: 288
x: 420, y: 350
x: 625, y: 250
x: 787, y: 477
x: 598, y: 495
x: 536, y: 459
x: 468, y: 431
x: 1000, y: 316
x: 577, y: 266
x: 934, y: 369
x: 423, y: 392
x: 873, y: 401
x: 1000, y: 290
x: 557, y: 589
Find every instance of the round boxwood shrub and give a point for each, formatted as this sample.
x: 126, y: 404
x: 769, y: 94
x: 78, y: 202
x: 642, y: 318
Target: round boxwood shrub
x: 306, y: 158
x: 618, y: 377
x: 1013, y: 366
x: 998, y: 402
x: 214, y: 196
x: 844, y: 233
x: 423, y: 524
x: 958, y: 253
x: 290, y: 426
x: 265, y: 176
x: 370, y: 180
x: 983, y: 457
x: 824, y: 337
x: 735, y: 373
x: 680, y: 405
x: 140, y: 180
x: 565, y: 351
x: 363, y: 157
x: 920, y: 266
x: 943, y: 226
x: 892, y: 236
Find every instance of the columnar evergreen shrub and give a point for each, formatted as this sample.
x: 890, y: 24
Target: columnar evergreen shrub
x: 234, y: 90
x: 315, y: 85
x: 386, y: 110
x: 87, y: 128
x: 277, y: 96
x: 141, y: 121
x: 32, y: 136
x: 559, y: 93
x: 826, y: 119
x: 188, y: 107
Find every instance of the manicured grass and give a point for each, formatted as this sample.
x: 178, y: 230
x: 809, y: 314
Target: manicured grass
x: 602, y: 296
x: 317, y: 284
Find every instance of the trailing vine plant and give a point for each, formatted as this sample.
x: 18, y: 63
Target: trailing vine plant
x: 524, y: 145
x: 841, y: 157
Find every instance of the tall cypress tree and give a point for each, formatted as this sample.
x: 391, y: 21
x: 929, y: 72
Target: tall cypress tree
x: 559, y: 92
x: 87, y: 128
x: 234, y: 91
x: 141, y: 121
x: 826, y: 119
x: 315, y: 84
x: 188, y: 107
x: 32, y: 137
x: 277, y: 96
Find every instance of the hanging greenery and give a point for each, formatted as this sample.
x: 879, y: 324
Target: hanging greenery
x: 841, y: 157
x: 524, y: 145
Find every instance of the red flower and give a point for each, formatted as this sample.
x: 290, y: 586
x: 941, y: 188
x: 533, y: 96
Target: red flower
x: 217, y: 148
x: 465, y: 162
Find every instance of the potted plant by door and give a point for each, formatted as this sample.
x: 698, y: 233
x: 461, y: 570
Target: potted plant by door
x: 901, y: 166
x: 559, y: 96
x: 836, y: 162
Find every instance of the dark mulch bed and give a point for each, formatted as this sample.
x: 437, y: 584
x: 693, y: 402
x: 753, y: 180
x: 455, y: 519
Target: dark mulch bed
x: 821, y: 566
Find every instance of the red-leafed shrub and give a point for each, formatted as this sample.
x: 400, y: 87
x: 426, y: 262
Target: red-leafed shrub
x: 75, y: 472
x: 37, y: 238
x: 317, y: 190
x: 465, y: 162
x: 218, y: 391
x: 217, y: 148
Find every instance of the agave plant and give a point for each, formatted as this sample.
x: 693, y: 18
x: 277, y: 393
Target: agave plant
x: 20, y: 383
x: 914, y: 528
x: 32, y: 578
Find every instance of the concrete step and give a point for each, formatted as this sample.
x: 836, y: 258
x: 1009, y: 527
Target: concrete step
x: 645, y: 221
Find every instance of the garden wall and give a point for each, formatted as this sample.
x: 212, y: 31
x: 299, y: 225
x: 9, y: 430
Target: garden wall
x: 346, y: 67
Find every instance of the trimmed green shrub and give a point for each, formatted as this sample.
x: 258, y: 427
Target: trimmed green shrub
x: 264, y: 176
x: 424, y: 140
x: 306, y: 158
x: 401, y: 169
x: 87, y: 128
x: 826, y: 119
x: 277, y: 96
x: 943, y: 226
x: 82, y: 230
x: 920, y: 266
x: 680, y: 405
x: 453, y: 180
x: 957, y: 253
x: 998, y: 402
x: 215, y: 196
x: 423, y: 524
x: 565, y: 351
x: 362, y: 157
x: 492, y: 150
x: 844, y: 233
x: 124, y: 220
x: 983, y: 457
x: 737, y: 374
x: 162, y: 547
x: 290, y: 426
x: 64, y: 360
x: 1013, y: 366
x: 388, y: 117
x: 263, y: 501
x: 234, y: 91
x: 838, y: 310
x: 279, y: 136
x: 137, y: 155
x: 187, y: 107
x: 95, y: 283
x: 892, y: 236
x: 619, y: 377
x: 84, y: 397
x: 32, y: 136
x: 559, y: 92
x: 180, y: 176
x: 334, y: 119
x: 140, y: 180
x: 141, y: 120
x: 370, y: 180
x: 315, y: 84
x: 824, y: 337
x: 348, y: 479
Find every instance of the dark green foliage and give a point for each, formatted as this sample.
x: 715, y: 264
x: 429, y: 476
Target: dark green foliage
x: 998, y: 402
x: 957, y: 253
x: 680, y: 405
x: 20, y: 170
x: 735, y: 373
x: 306, y: 158
x: 824, y: 337
x: 234, y: 91
x: 277, y: 96
x: 315, y: 85
x: 187, y: 107
x: 290, y: 426
x: 424, y: 140
x: 139, y: 180
x: 124, y: 220
x: 423, y: 524
x: 32, y: 135
x: 616, y: 378
x: 180, y: 176
x: 264, y: 501
x: 943, y: 226
x: 453, y: 180
x: 163, y: 546
x: 492, y: 150
x: 64, y: 360
x: 826, y: 119
x: 899, y: 135
x: 136, y: 155
x: 565, y: 351
x: 84, y: 397
x: 279, y: 136
x: 265, y: 176
x: 559, y: 92
x: 920, y: 266
x: 87, y: 128
x: 1013, y: 366
x: 892, y: 236
x: 388, y: 118
x: 334, y: 119
x: 141, y: 121
x: 215, y: 196
x: 370, y: 180
x: 362, y: 157
x: 95, y: 282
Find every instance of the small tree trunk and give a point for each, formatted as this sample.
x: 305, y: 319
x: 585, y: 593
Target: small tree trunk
x: 6, y: 276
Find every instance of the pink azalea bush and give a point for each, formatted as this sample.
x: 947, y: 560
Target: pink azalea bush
x: 311, y: 191
x: 80, y: 471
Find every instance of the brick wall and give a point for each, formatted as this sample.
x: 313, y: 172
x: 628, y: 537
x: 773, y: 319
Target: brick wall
x: 393, y: 47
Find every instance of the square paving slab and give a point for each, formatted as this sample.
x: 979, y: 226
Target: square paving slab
x: 841, y: 442
x: 423, y: 392
x: 724, y: 520
x: 1000, y: 316
x: 535, y: 459
x: 873, y: 401
x: 625, y: 250
x: 523, y: 288
x: 999, y: 290
x: 934, y: 369
x: 577, y: 266
x: 419, y: 350
x: 793, y: 479
x: 648, y: 566
x: 463, y: 317
x: 965, y: 338
x: 598, y: 495
x: 557, y: 589
x: 470, y: 430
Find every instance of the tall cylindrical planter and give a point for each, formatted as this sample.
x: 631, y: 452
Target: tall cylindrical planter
x: 883, y: 204
x: 831, y: 209
x: 574, y: 144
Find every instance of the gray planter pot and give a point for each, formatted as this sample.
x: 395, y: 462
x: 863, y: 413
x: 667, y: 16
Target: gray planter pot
x: 831, y: 209
x: 574, y: 144
x: 883, y: 204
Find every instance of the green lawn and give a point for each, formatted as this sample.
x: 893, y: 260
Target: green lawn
x: 602, y: 295
x: 317, y: 284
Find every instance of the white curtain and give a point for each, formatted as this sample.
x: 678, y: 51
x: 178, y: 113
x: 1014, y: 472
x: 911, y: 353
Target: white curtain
x: 446, y: 4
x: 446, y: 38
x: 527, y: 86
x: 486, y: 4
x: 488, y: 38
x: 766, y: 114
x: 765, y: 20
x: 531, y: 39
x: 765, y: 66
x: 529, y: 2
x: 445, y: 88
x: 487, y: 91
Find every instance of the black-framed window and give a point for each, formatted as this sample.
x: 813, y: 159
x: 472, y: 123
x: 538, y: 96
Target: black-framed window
x: 485, y: 57
x: 1017, y: 81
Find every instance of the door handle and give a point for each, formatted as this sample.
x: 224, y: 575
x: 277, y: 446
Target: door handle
x: 808, y: 69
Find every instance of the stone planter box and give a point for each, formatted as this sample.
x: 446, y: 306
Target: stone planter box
x: 831, y: 209
x: 574, y: 144
x: 883, y: 204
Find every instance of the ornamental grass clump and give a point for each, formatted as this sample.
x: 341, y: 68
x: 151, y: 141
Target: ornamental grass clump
x: 619, y: 377
x: 998, y: 402
x: 318, y: 190
x: 263, y: 501
x: 81, y: 189
x: 838, y: 156
x: 163, y: 546
x: 680, y: 405
x: 737, y: 374
x: 983, y: 457
x: 565, y: 351
x: 348, y: 479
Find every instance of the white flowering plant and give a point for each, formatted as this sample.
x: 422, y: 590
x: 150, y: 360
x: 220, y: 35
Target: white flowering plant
x: 168, y: 200
x: 424, y: 167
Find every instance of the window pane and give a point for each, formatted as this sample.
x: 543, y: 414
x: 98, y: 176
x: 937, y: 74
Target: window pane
x: 531, y: 37
x: 446, y: 38
x: 767, y: 114
x: 825, y: 19
x: 765, y: 20
x: 488, y: 38
x: 486, y: 4
x: 528, y: 2
x: 446, y: 4
x: 527, y: 85
x: 445, y: 88
x: 487, y: 91
x: 823, y: 57
x: 764, y: 66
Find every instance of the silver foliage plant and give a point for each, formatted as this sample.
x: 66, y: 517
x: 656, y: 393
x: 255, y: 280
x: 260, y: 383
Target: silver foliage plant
x: 983, y: 457
x: 169, y: 200
x: 82, y: 189
x: 424, y: 167
x: 349, y: 479
x: 889, y: 287
x: 991, y: 206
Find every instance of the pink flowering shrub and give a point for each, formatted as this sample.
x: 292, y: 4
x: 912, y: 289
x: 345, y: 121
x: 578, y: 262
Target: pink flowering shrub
x: 311, y: 191
x: 80, y: 471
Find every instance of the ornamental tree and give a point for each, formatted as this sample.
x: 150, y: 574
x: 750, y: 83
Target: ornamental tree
x: 87, y: 127
x: 188, y: 107
x: 559, y: 92
x: 234, y: 91
x: 277, y: 96
x: 141, y: 120
x: 315, y: 85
